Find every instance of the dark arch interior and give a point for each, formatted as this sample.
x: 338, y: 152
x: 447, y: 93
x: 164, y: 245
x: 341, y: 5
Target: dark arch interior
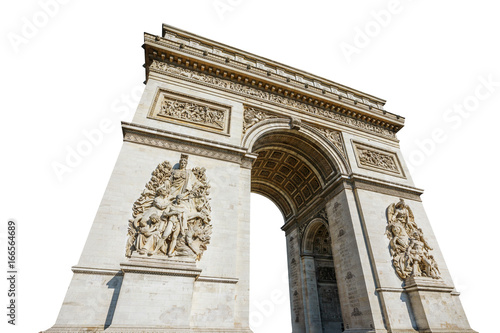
x: 290, y: 170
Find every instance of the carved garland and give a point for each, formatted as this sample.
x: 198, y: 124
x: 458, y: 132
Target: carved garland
x: 256, y: 93
x: 410, y: 251
x: 172, y: 215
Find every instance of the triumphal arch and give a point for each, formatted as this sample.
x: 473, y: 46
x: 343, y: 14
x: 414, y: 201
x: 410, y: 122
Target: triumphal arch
x: 169, y: 247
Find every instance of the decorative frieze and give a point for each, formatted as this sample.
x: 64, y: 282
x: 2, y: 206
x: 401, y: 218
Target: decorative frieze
x: 190, y: 111
x: 409, y: 249
x: 216, y: 53
x: 377, y: 159
x: 269, y: 97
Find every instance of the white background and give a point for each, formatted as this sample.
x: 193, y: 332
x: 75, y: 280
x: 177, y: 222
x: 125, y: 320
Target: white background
x: 80, y: 64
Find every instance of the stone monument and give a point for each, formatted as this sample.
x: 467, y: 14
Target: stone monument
x: 169, y: 247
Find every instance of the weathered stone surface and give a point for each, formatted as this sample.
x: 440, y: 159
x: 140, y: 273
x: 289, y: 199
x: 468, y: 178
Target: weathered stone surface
x: 173, y: 255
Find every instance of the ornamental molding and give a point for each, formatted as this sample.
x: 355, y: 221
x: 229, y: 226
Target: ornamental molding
x: 387, y: 189
x: 244, y: 90
x: 182, y: 143
x: 253, y: 116
x: 215, y: 279
x: 190, y: 111
x: 189, y: 43
x: 321, y: 215
x: 377, y: 159
x: 95, y: 271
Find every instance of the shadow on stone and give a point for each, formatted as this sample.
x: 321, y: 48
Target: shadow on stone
x: 406, y: 300
x: 116, y: 284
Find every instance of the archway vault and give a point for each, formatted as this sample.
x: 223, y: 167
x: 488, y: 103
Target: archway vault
x: 293, y: 166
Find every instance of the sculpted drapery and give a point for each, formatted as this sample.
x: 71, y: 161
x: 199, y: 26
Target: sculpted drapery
x: 172, y: 215
x: 410, y: 251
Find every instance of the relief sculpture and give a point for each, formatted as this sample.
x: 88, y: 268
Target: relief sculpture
x: 410, y: 251
x: 270, y: 97
x: 193, y: 113
x: 253, y: 116
x: 172, y: 215
x: 376, y: 159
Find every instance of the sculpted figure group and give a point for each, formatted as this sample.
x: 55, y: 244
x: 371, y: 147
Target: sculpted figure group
x: 172, y: 215
x: 410, y: 251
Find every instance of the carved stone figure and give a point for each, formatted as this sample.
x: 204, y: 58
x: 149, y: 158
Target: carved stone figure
x: 191, y: 112
x: 253, y: 116
x: 172, y: 215
x: 284, y: 101
x: 376, y: 159
x: 409, y: 249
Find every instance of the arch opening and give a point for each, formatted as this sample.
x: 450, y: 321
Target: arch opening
x: 317, y: 246
x: 293, y: 169
x: 269, y: 288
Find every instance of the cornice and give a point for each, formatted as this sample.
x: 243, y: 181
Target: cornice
x: 95, y: 271
x: 335, y: 114
x: 206, y: 56
x: 180, y: 142
x: 243, y: 58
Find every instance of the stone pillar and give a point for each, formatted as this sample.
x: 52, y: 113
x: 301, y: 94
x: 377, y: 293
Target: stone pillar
x: 295, y: 281
x: 360, y: 306
x: 311, y: 299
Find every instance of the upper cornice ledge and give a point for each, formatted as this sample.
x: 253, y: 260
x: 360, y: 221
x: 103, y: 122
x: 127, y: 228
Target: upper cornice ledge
x: 270, y: 75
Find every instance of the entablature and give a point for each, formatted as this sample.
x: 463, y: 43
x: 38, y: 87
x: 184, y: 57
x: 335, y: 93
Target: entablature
x: 189, y: 51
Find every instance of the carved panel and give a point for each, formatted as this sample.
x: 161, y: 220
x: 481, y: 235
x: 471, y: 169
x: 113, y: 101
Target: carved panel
x: 377, y: 159
x: 245, y: 90
x: 171, y: 217
x: 410, y: 251
x: 190, y: 111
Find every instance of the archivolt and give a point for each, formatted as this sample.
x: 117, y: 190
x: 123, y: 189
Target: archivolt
x: 293, y: 166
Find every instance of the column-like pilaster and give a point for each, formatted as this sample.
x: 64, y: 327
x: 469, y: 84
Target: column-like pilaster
x: 360, y: 306
x: 295, y: 281
x: 311, y: 300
